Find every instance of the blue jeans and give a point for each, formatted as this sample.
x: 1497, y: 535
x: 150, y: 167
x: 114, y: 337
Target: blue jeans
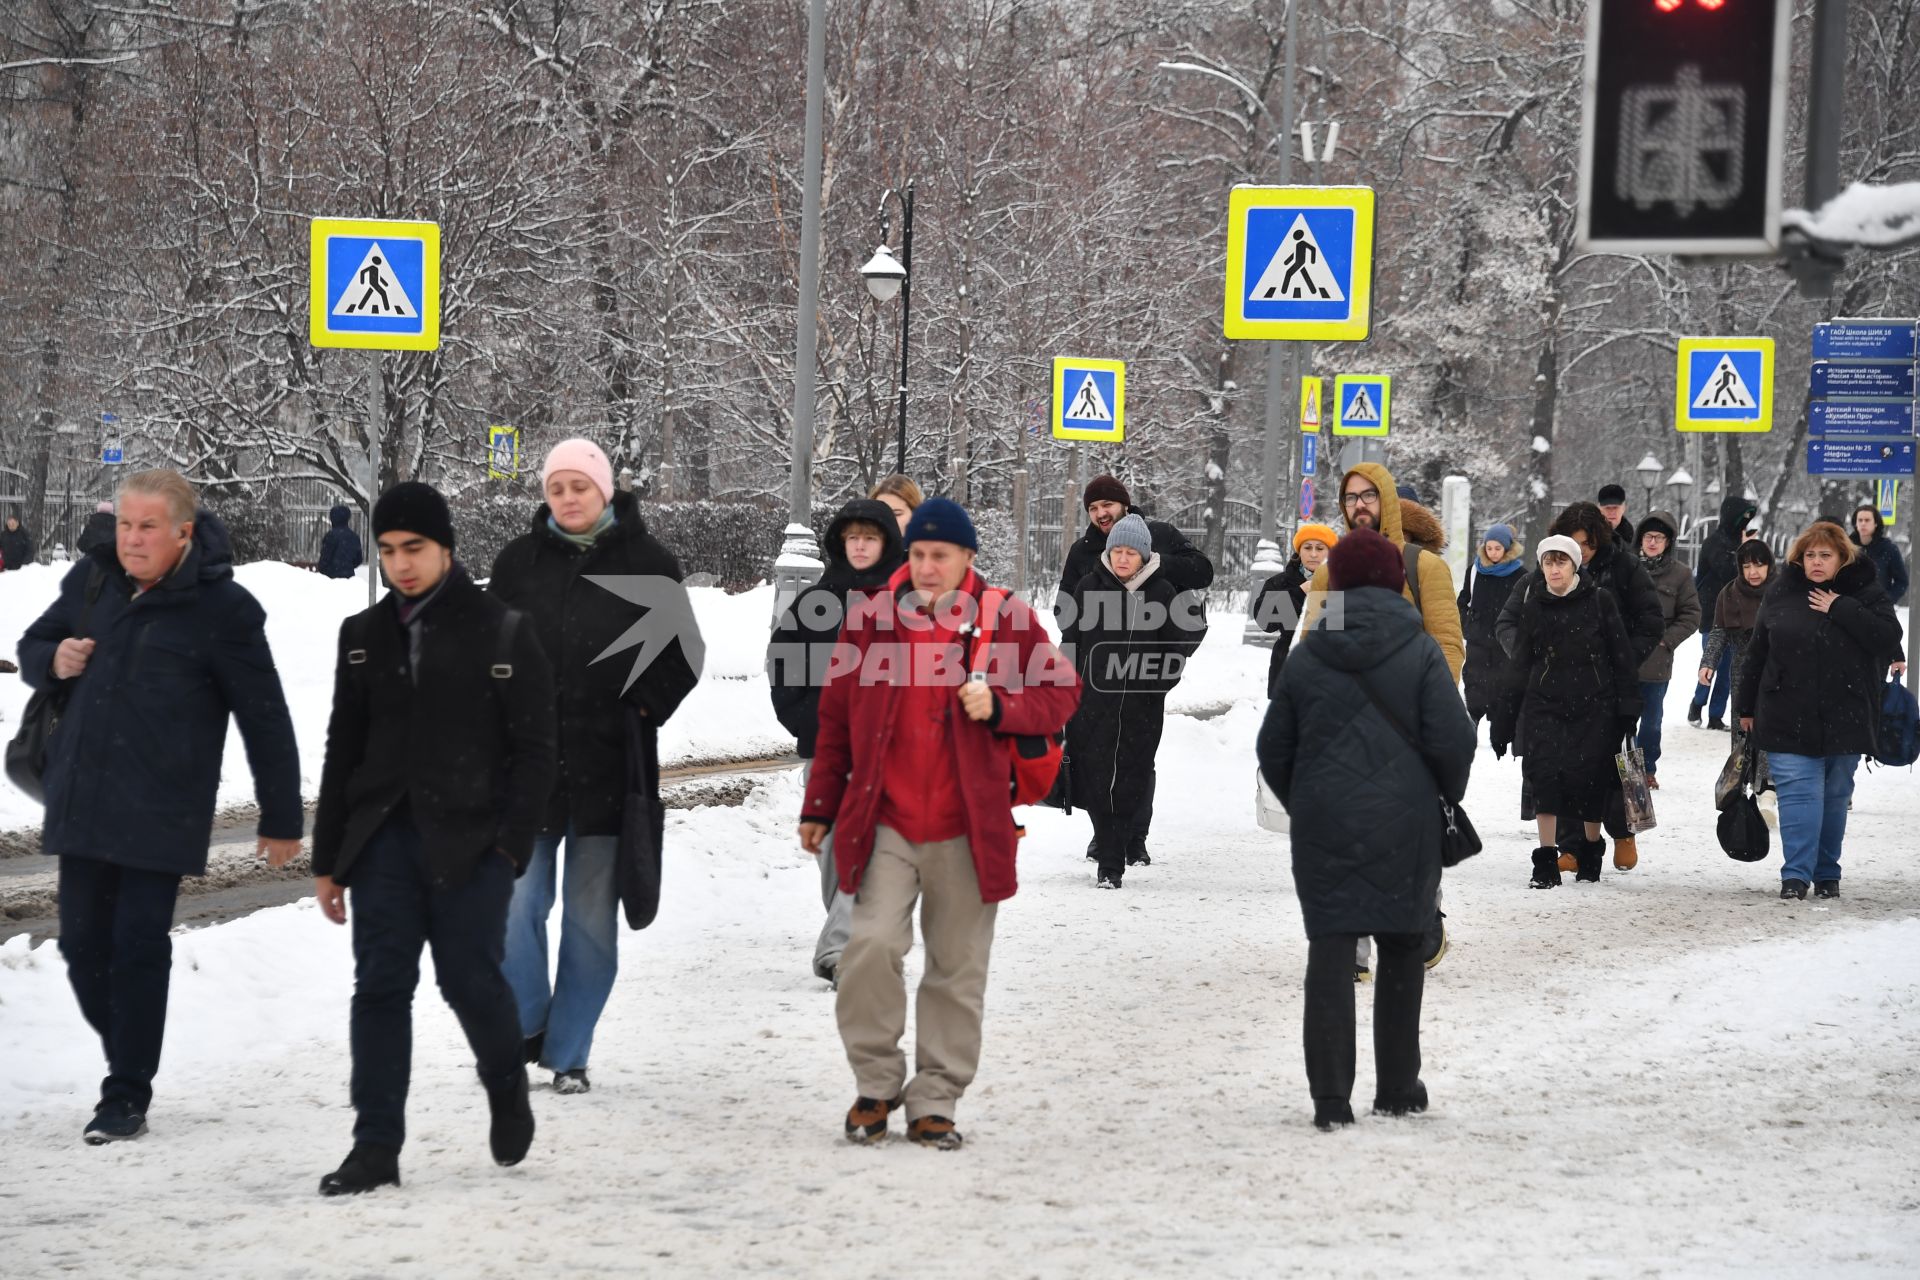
x: 1653, y: 709
x: 568, y: 1009
x: 1722, y: 684
x: 1814, y: 791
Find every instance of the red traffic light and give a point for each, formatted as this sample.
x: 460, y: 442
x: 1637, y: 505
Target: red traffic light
x: 1670, y: 6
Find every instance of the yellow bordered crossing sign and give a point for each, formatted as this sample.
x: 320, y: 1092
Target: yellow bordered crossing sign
x: 1299, y: 263
x: 373, y: 284
x: 1089, y: 399
x: 1724, y: 384
x: 1363, y: 404
x: 1311, y: 391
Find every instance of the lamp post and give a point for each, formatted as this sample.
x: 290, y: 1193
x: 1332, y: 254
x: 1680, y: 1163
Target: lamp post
x: 887, y: 275
x: 1650, y: 468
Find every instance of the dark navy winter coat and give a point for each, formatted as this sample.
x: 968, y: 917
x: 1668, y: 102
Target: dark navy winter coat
x: 135, y: 763
x: 1888, y: 563
x: 1364, y: 803
x: 340, y: 551
x: 16, y: 547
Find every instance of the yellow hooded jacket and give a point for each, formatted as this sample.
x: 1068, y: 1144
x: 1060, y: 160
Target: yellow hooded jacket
x: 1440, y: 614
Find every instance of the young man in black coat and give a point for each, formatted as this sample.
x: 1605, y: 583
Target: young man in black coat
x: 440, y: 762
x: 1717, y: 566
x: 156, y: 646
x: 1183, y: 564
x: 863, y: 549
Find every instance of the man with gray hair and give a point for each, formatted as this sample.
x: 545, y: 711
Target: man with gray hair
x: 152, y: 645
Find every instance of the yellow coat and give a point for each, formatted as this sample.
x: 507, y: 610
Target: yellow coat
x: 1440, y: 613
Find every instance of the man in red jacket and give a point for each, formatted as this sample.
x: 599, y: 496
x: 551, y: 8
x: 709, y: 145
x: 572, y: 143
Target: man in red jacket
x: 911, y: 770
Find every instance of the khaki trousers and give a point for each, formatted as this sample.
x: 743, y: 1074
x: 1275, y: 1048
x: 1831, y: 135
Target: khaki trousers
x: 872, y: 1003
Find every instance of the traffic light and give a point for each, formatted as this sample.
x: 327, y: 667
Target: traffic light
x: 1683, y: 126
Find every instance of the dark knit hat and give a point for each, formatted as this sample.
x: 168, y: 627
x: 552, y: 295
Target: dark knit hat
x: 1365, y: 559
x: 413, y: 507
x: 1610, y: 494
x: 1105, y: 489
x: 941, y: 520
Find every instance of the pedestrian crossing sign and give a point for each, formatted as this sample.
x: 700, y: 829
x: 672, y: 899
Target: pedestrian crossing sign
x: 1724, y: 384
x: 1089, y: 399
x: 1363, y: 402
x: 1310, y: 393
x: 1299, y: 263
x: 373, y: 284
x: 503, y: 453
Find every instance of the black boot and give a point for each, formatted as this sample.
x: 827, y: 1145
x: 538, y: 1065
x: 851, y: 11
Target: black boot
x: 533, y: 1046
x: 1546, y: 868
x: 365, y: 1168
x: 512, y: 1131
x: 1327, y: 1116
x: 1589, y: 853
x: 1412, y: 1102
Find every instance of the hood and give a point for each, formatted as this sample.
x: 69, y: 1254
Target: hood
x: 1736, y: 514
x: 339, y: 516
x: 1421, y: 527
x: 1515, y: 561
x: 1389, y: 501
x: 1659, y: 522
x: 1375, y: 622
x: 873, y: 512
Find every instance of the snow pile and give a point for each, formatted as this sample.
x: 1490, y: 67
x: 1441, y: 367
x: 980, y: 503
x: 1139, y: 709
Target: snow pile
x: 1877, y: 217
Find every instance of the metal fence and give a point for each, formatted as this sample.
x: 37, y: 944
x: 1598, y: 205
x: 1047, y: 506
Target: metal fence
x: 273, y: 520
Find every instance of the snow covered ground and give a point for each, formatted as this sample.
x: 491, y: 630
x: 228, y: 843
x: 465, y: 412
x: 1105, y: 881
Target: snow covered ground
x: 1669, y: 1073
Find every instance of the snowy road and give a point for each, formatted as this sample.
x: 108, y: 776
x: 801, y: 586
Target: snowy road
x: 1670, y: 1073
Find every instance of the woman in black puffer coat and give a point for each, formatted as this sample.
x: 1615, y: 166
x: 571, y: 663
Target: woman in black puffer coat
x: 1571, y: 694
x: 1133, y: 632
x: 1810, y: 691
x: 1364, y: 802
x: 587, y: 530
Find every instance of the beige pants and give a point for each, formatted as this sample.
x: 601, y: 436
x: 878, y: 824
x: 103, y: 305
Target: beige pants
x: 872, y: 1005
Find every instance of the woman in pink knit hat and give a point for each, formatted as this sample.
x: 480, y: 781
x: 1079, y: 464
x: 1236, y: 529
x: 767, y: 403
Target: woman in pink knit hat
x: 609, y: 715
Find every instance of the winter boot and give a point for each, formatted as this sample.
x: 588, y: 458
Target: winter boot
x: 1588, y: 857
x: 1826, y: 889
x: 574, y: 1081
x: 1413, y: 1102
x: 1693, y: 714
x: 1626, y: 854
x: 936, y: 1132
x: 1717, y: 723
x: 1328, y: 1116
x: 867, y: 1119
x: 1795, y: 889
x: 1546, y: 868
x: 1106, y: 880
x: 1137, y: 855
x: 1437, y: 950
x: 114, y: 1121
x: 533, y: 1047
x: 512, y: 1130
x: 366, y: 1167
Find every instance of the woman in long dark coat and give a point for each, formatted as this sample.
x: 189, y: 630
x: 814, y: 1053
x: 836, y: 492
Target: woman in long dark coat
x: 1132, y: 635
x: 1364, y: 801
x: 1500, y: 563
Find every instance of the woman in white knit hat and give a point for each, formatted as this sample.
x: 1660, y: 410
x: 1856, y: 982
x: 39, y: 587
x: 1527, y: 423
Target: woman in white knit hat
x: 584, y: 534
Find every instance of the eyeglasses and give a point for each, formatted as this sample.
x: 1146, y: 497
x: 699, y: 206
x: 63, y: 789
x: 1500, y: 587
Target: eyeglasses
x: 1366, y: 497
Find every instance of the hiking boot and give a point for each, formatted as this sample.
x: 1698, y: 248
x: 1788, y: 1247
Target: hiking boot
x: 867, y: 1119
x: 1411, y: 1103
x: 1546, y: 869
x: 1693, y: 714
x: 1796, y: 889
x: 1327, y: 1116
x: 1567, y: 862
x: 936, y: 1132
x: 365, y: 1168
x: 1361, y: 975
x: 1588, y: 856
x: 511, y: 1132
x: 1826, y: 889
x: 114, y: 1120
x: 574, y: 1081
x: 1626, y: 854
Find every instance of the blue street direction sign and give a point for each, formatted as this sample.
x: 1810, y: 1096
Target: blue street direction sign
x: 1859, y: 457
x: 1867, y: 340
x: 1299, y: 263
x: 1306, y: 499
x: 1859, y: 419
x: 112, y: 454
x: 1310, y: 454
x: 373, y: 284
x: 1089, y: 399
x: 1362, y: 404
x: 1724, y: 384
x: 1872, y: 381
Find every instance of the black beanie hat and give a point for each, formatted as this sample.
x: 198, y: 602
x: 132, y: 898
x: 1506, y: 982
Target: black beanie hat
x: 1611, y: 493
x: 413, y: 507
x: 1105, y: 489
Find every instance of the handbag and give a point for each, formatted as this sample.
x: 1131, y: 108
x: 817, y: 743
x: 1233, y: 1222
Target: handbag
x: 643, y: 824
x: 1267, y: 809
x: 1458, y: 840
x: 1742, y: 827
x: 1631, y: 765
x: 29, y: 748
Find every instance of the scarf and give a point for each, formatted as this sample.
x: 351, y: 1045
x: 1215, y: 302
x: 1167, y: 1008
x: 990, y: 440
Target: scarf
x: 1139, y: 579
x: 1739, y: 605
x: 1505, y: 569
x: 591, y: 536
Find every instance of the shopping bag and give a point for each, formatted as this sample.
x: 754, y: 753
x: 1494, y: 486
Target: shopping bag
x: 1728, y: 785
x: 1742, y: 827
x: 1267, y: 809
x: 1632, y: 767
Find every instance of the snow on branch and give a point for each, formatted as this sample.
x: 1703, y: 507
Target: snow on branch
x: 1872, y: 217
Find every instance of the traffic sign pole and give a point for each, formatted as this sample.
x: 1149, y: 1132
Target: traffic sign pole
x: 376, y: 410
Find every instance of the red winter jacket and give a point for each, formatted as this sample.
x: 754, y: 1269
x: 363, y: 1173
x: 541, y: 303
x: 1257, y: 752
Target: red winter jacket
x: 1035, y: 692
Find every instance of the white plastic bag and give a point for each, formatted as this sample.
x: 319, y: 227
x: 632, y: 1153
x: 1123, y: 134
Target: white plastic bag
x: 1267, y: 809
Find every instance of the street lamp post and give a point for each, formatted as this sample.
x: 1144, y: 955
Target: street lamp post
x: 887, y: 275
x: 1650, y: 468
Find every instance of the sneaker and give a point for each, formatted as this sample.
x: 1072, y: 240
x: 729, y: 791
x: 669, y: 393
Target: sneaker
x: 1411, y: 1103
x: 1717, y: 723
x: 1327, y: 1116
x: 1796, y: 889
x: 936, y: 1132
x: 1105, y: 881
x: 1626, y: 854
x: 114, y: 1120
x: 574, y: 1081
x: 365, y: 1168
x: 867, y: 1119
x: 1546, y: 869
x: 1826, y: 889
x: 511, y: 1132
x: 1693, y: 714
x: 1362, y: 975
